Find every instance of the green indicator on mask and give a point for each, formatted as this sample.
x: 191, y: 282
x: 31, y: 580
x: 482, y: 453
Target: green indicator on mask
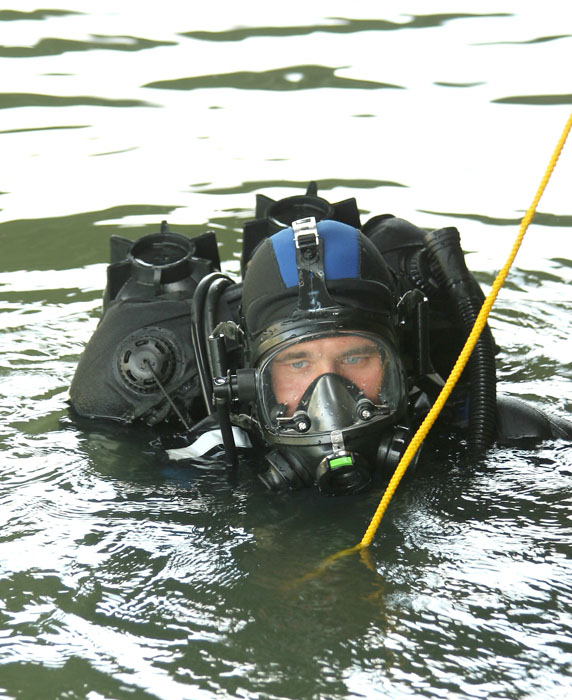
x: 338, y: 462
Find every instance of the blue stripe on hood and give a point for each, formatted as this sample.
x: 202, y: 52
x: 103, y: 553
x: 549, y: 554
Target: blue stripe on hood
x: 341, y: 252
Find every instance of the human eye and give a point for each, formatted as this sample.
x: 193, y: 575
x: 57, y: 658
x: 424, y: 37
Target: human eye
x: 355, y: 359
x: 299, y: 364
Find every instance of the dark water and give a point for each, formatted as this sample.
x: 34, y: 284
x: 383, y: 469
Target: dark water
x: 123, y: 578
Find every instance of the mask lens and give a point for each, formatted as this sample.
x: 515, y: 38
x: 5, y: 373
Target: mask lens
x: 335, y: 380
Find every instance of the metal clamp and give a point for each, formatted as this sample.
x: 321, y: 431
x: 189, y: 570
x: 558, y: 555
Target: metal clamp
x: 305, y: 233
x: 338, y: 447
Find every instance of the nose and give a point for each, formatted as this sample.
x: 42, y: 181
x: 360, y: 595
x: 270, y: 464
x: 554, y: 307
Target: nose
x: 325, y: 366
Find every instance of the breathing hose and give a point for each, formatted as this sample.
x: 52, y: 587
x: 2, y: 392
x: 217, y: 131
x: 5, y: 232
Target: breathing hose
x: 198, y: 334
x: 451, y: 272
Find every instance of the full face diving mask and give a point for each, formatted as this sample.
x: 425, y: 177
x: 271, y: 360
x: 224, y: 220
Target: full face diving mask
x: 325, y: 403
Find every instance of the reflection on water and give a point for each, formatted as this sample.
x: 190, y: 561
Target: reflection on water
x: 55, y: 47
x: 13, y: 100
x: 326, y: 186
x: 291, y: 78
x: 122, y: 576
x: 540, y: 219
x: 536, y: 100
x: 43, y: 244
x: 14, y: 15
x: 337, y: 26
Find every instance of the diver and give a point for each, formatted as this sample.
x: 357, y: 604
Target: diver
x: 325, y: 357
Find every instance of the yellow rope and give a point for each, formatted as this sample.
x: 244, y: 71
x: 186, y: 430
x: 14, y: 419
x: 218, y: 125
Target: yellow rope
x: 465, y: 353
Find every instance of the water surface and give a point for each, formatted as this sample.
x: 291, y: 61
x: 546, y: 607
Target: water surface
x: 123, y: 578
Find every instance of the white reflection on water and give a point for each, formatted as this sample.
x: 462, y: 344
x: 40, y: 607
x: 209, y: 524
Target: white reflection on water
x: 119, y: 578
x: 453, y: 147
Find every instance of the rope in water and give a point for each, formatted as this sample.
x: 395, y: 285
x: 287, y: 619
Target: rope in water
x: 465, y: 352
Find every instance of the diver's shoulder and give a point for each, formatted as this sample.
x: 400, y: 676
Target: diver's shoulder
x: 518, y: 420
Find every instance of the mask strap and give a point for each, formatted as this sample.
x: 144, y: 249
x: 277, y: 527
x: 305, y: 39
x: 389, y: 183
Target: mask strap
x: 312, y: 291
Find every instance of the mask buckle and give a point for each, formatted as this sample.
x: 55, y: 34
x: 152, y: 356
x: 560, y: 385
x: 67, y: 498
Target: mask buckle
x: 338, y: 447
x: 306, y: 235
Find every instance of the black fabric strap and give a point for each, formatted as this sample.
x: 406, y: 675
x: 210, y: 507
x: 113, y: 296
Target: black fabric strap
x: 312, y: 291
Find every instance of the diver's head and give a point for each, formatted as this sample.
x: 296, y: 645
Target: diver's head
x: 321, y: 325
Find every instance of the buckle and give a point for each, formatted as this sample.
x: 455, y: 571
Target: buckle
x: 305, y: 233
x: 337, y: 439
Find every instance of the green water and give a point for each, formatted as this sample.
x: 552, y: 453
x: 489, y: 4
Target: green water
x: 122, y: 577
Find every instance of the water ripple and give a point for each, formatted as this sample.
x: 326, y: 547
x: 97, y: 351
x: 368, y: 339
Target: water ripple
x: 16, y: 16
x: 56, y: 47
x: 36, y: 240
x: 540, y: 218
x: 325, y: 185
x: 542, y: 100
x: 342, y: 26
x: 12, y: 100
x: 303, y: 77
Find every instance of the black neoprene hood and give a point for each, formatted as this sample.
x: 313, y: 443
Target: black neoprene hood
x: 356, y: 278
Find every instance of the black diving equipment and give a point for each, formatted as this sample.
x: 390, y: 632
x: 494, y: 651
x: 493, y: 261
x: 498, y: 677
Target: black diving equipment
x: 433, y: 263
x: 140, y: 364
x: 180, y: 341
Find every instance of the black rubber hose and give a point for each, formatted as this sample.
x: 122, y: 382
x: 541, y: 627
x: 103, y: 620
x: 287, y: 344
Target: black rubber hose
x: 482, y: 377
x: 230, y: 453
x: 214, y: 292
x: 448, y: 266
x: 210, y: 320
x: 198, y: 335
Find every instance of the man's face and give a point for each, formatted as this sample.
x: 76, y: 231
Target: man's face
x: 353, y: 357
